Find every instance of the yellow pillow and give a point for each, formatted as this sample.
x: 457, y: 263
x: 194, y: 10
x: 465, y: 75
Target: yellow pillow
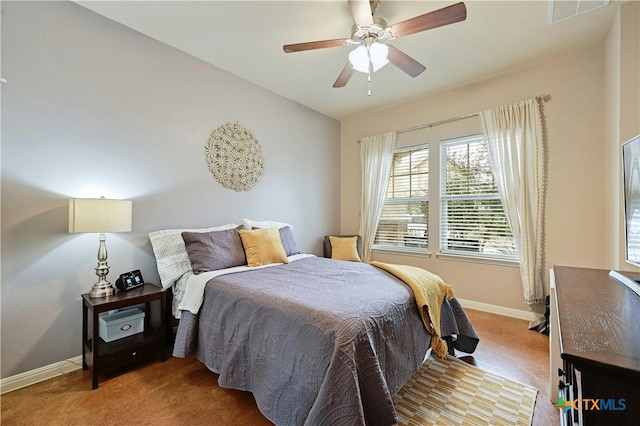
x: 263, y: 246
x: 344, y: 248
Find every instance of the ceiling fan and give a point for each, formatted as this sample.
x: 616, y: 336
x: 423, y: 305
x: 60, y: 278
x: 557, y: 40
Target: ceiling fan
x: 371, y: 33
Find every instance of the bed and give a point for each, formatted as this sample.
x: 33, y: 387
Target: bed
x: 317, y: 341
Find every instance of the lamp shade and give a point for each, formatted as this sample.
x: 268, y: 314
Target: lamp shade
x: 99, y: 215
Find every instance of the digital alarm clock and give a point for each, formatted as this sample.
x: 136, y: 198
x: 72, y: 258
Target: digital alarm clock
x: 129, y: 280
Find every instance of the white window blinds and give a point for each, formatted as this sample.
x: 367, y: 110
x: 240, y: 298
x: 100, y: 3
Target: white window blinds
x: 472, y: 218
x: 403, y: 224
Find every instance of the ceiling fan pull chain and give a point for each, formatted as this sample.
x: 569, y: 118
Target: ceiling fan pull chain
x: 370, y: 69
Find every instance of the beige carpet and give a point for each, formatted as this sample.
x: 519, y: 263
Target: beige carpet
x: 452, y: 392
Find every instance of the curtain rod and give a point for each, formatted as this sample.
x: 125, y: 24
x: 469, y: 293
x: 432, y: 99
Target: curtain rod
x: 539, y: 98
x: 438, y: 123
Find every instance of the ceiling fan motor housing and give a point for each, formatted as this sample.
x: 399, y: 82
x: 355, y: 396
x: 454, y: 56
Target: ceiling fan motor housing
x: 376, y: 31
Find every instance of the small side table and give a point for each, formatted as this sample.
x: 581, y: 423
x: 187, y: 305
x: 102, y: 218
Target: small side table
x: 100, y: 356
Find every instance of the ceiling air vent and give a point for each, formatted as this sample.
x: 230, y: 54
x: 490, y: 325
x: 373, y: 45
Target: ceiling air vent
x: 559, y: 10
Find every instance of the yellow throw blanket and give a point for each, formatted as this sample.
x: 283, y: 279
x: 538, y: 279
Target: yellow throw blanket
x: 429, y: 291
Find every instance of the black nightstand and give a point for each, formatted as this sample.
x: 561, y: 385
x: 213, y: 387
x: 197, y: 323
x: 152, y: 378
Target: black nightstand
x: 103, y: 357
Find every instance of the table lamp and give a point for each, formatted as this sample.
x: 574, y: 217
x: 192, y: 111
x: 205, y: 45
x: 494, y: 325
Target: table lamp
x: 100, y: 215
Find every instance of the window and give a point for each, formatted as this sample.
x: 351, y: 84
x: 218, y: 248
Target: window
x: 472, y: 219
x: 403, y: 224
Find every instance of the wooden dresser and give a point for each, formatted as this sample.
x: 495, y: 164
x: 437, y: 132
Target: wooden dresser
x: 597, y: 321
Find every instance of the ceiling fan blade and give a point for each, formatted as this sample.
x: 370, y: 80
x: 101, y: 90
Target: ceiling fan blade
x: 311, y: 45
x: 437, y: 18
x: 361, y: 11
x: 344, y: 76
x: 405, y: 62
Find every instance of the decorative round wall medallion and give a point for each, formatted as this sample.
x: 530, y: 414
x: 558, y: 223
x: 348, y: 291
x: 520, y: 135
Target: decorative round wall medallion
x: 235, y: 157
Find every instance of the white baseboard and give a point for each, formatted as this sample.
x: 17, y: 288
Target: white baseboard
x: 501, y: 310
x: 40, y: 374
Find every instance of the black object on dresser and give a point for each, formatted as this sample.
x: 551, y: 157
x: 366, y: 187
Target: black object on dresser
x: 102, y: 357
x: 598, y: 320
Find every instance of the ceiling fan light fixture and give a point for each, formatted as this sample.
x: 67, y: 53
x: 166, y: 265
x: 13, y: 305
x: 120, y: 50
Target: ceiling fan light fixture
x: 359, y: 58
x: 378, y: 53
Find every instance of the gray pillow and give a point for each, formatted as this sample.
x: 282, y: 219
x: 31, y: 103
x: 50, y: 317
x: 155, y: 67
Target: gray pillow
x: 288, y: 242
x: 210, y: 251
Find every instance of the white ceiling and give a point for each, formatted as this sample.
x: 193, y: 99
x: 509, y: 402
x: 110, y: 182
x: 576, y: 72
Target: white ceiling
x: 246, y: 39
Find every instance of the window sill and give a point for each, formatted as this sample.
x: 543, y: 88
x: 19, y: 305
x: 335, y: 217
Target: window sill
x: 448, y: 256
x: 474, y: 259
x: 401, y: 252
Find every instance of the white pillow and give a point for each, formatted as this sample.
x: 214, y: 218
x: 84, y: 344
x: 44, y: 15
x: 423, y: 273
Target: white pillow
x: 250, y: 224
x: 171, y: 252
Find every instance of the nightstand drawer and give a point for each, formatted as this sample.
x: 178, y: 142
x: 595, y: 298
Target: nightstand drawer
x: 129, y: 355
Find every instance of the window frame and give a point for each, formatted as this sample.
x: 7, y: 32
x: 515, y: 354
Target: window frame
x: 419, y: 250
x: 434, y: 215
x: 444, y: 197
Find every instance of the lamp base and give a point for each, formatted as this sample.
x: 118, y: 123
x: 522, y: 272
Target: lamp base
x: 103, y: 287
x: 101, y: 290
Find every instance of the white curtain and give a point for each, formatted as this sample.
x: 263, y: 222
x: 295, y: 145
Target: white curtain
x: 376, y: 155
x: 514, y: 136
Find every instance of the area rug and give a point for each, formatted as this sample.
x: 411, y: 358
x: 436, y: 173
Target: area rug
x: 451, y: 392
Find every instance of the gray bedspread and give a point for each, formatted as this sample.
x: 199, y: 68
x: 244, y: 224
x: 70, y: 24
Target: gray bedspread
x: 317, y: 341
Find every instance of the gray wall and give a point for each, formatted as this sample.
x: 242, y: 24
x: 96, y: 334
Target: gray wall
x: 93, y: 108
